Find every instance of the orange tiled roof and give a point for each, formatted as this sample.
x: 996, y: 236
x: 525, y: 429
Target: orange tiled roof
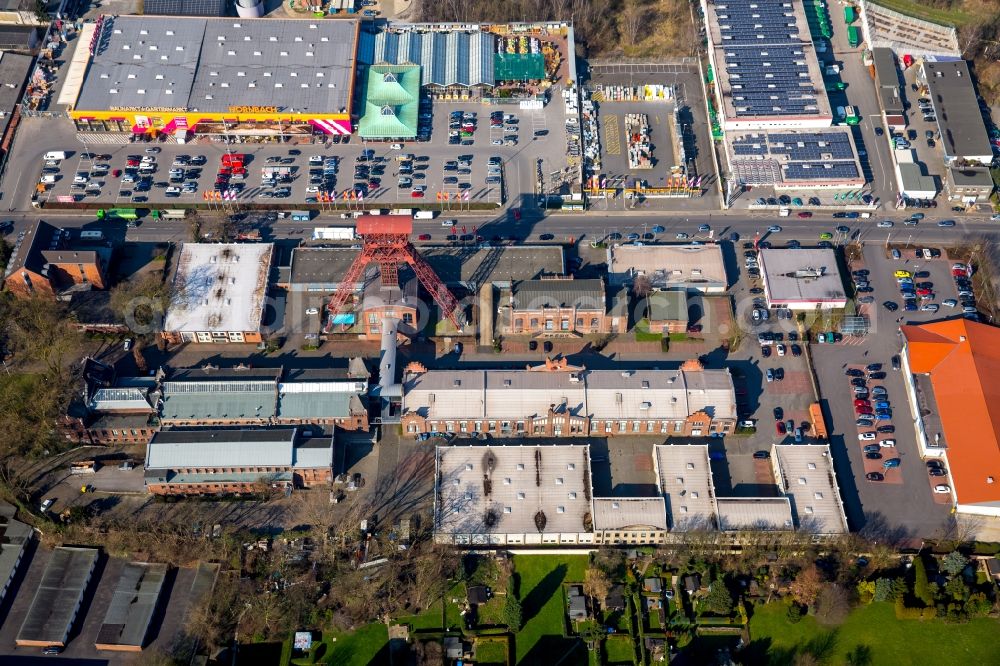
x: 963, y: 361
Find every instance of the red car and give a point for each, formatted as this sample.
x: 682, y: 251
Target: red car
x: 416, y: 194
x: 805, y: 214
x: 116, y: 173
x: 424, y: 237
x: 780, y: 427
x: 694, y: 328
x: 863, y: 410
x: 862, y: 403
x: 923, y: 292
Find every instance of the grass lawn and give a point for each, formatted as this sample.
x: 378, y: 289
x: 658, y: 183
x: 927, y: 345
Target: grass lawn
x: 618, y: 650
x: 367, y: 645
x: 430, y: 619
x: 541, y: 579
x: 874, y: 631
x: 917, y: 9
x: 453, y: 611
x: 491, y: 651
x: 643, y: 334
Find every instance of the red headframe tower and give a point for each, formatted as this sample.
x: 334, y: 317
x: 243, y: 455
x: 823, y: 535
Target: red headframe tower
x: 386, y: 243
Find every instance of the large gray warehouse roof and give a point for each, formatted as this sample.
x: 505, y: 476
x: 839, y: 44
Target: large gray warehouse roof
x: 953, y: 95
x: 58, y: 597
x: 445, y: 58
x: 210, y: 65
x: 127, y: 621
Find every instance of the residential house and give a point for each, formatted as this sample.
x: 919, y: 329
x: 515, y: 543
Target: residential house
x: 653, y: 585
x: 615, y: 600
x: 692, y: 584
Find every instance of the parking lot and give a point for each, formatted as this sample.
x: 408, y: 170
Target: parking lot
x: 163, y: 173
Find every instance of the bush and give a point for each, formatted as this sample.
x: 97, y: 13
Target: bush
x: 866, y: 591
x: 794, y: 614
x: 954, y: 562
x: 921, y: 589
x: 884, y: 590
x: 904, y: 612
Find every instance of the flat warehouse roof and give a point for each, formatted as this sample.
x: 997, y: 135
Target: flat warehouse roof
x: 58, y: 596
x: 626, y: 513
x: 801, y: 275
x: 956, y: 106
x: 821, y: 157
x: 219, y: 287
x: 767, y: 66
x: 503, y: 489
x: 669, y: 264
x: 806, y: 474
x: 684, y: 477
x: 755, y: 513
x: 126, y: 622
x: 216, y: 64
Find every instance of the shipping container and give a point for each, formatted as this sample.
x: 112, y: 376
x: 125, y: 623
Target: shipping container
x: 850, y: 14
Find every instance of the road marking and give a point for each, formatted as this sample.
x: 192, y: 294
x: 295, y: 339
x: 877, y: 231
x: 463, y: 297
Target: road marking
x: 612, y: 140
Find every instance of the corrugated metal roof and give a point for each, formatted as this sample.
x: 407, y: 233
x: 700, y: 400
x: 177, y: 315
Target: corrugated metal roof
x: 224, y: 399
x: 58, y: 595
x: 132, y: 605
x: 317, y: 405
x: 173, y: 449
x: 580, y: 294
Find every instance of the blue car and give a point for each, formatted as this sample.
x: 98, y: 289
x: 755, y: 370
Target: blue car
x: 891, y: 462
x: 853, y: 215
x: 881, y: 405
x: 658, y: 229
x: 910, y: 306
x: 883, y: 415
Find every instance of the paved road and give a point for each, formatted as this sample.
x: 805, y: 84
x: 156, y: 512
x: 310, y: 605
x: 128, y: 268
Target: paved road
x: 567, y: 227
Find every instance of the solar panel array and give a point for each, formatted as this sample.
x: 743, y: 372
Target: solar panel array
x: 763, y: 158
x: 820, y: 171
x: 766, y: 59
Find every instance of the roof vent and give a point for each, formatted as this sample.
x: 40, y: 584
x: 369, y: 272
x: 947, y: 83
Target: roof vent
x: 961, y: 338
x: 989, y: 479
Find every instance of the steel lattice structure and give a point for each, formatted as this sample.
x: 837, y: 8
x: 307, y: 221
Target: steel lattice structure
x: 386, y: 243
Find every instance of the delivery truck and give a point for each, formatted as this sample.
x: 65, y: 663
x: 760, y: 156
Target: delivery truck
x: 424, y: 215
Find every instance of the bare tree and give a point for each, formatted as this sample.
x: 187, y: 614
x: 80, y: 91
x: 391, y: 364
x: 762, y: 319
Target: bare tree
x: 632, y: 19
x: 596, y: 584
x: 833, y: 605
x: 806, y: 586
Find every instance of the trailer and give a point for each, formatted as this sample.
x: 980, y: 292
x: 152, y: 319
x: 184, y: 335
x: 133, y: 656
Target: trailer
x: 301, y: 215
x: 334, y: 233
x: 170, y: 214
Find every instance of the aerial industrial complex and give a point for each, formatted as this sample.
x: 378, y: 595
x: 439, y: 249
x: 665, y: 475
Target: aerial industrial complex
x: 314, y: 315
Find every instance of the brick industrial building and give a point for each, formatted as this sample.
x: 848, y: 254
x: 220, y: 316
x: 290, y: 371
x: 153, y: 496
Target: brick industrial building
x: 559, y: 400
x: 47, y: 261
x: 558, y: 306
x: 218, y: 293
x: 212, y: 461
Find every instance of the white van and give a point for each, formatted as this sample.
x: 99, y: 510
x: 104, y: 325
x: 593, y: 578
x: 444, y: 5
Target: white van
x: 55, y: 155
x: 48, y: 179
